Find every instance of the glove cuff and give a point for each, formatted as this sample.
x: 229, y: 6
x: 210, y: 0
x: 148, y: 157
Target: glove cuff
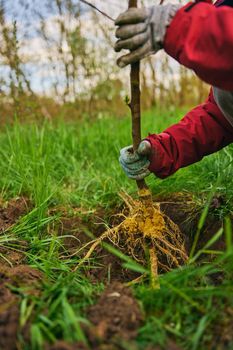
x: 160, y: 20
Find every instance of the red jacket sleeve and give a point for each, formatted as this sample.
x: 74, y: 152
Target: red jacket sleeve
x: 201, y: 38
x: 202, y: 131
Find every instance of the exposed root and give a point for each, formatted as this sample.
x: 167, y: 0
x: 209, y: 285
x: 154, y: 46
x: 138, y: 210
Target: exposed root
x: 146, y: 228
x: 136, y: 280
x: 154, y: 268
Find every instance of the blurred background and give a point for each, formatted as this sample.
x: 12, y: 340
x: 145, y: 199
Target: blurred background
x: 57, y: 59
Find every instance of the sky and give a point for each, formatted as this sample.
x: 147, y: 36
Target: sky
x: 25, y: 12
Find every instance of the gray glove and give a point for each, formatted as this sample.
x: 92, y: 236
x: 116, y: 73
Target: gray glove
x: 142, y: 31
x: 135, y: 164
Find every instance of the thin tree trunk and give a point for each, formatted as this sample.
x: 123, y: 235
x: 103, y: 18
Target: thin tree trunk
x: 135, y: 105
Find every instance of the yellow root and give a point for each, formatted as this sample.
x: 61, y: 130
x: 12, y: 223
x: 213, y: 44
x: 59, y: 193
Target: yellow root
x: 154, y: 268
x: 91, y: 250
x: 146, y: 224
x: 136, y: 280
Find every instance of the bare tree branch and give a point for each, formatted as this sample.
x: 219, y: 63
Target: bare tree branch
x: 96, y: 8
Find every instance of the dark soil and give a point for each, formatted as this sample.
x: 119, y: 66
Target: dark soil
x: 106, y: 267
x: 61, y: 345
x: 222, y: 332
x: 9, y: 326
x: 21, y: 277
x: 116, y: 317
x: 10, y: 255
x: 10, y: 213
x: 181, y: 209
x: 72, y: 228
x: 169, y: 346
x: 116, y: 314
x: 109, y: 268
x: 75, y: 224
x: 115, y: 320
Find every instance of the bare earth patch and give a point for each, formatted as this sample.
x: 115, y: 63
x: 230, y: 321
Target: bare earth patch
x: 20, y: 276
x: 116, y: 315
x: 10, y: 213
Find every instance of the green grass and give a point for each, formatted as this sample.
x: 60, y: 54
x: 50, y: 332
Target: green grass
x: 76, y: 164
x: 189, y: 306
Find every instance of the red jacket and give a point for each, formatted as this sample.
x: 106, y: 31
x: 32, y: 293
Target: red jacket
x: 201, y: 38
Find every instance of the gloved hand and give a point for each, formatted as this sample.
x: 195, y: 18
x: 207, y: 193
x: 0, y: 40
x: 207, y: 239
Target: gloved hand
x: 142, y: 31
x: 135, y: 164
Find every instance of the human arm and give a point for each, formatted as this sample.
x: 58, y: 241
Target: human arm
x: 201, y: 38
x: 198, y: 35
x: 203, y: 131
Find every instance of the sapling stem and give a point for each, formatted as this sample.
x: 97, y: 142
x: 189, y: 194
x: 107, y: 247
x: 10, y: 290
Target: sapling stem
x: 135, y: 106
x: 144, y: 192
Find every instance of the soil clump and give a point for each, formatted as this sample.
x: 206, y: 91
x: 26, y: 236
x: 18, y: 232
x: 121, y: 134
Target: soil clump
x: 116, y: 315
x: 62, y: 345
x: 115, y: 320
x: 170, y: 345
x: 21, y: 276
x: 10, y: 213
x: 222, y: 331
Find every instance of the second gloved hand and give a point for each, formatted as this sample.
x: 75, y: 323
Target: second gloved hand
x: 135, y: 163
x: 142, y: 31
